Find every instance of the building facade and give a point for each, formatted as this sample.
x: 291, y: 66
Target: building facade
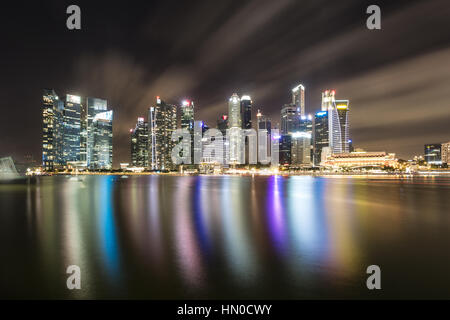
x: 285, y: 150
x: 290, y: 119
x: 94, y: 106
x: 320, y: 135
x: 139, y: 144
x: 246, y: 112
x: 234, y: 111
x: 361, y: 159
x: 49, y: 99
x: 301, y: 149
x: 338, y: 124
x: 433, y: 153
x: 162, y: 123
x: 101, y: 149
x: 72, y: 129
x: 445, y: 153
x: 298, y: 98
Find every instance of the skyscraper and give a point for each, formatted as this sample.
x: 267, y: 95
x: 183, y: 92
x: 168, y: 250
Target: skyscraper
x: 321, y: 135
x: 222, y: 125
x: 234, y: 111
x: 301, y: 149
x: 101, y: 130
x: 306, y: 127
x: 338, y: 126
x: 246, y: 112
x: 285, y: 149
x: 290, y: 119
x: 94, y: 106
x: 162, y: 123
x: 187, y: 115
x: 264, y: 124
x: 235, y: 127
x: 72, y: 129
x: 139, y: 144
x: 49, y: 98
x: 298, y: 98
x: 433, y: 153
x: 187, y: 122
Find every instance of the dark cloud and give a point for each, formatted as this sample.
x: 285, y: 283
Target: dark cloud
x: 396, y: 79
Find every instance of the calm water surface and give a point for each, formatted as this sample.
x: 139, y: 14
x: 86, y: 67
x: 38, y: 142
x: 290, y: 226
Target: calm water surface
x: 274, y: 237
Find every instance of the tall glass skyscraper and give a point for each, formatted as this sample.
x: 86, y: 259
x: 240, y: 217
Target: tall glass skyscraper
x: 49, y: 98
x: 94, y: 106
x: 339, y: 126
x: 320, y: 135
x: 72, y: 129
x: 234, y: 111
x: 162, y: 123
x: 139, y: 144
x: 301, y: 149
x: 246, y: 112
x: 187, y: 115
x: 298, y: 98
x: 102, y: 147
x: 187, y: 122
x: 290, y: 119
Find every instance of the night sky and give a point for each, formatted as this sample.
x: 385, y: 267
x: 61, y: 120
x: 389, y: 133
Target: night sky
x: 397, y: 79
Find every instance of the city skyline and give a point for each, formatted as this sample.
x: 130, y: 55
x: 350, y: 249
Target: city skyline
x: 388, y: 101
x: 77, y: 134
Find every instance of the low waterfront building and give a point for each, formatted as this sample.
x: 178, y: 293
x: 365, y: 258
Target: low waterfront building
x: 361, y: 159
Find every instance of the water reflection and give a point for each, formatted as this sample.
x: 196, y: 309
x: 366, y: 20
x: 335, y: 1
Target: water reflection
x: 225, y: 237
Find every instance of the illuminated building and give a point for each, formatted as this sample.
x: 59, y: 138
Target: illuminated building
x: 433, y: 153
x: 361, y: 159
x: 49, y: 98
x: 328, y: 98
x: 222, y: 126
x: 300, y: 149
x: 94, y: 106
x: 234, y: 111
x: 306, y: 126
x: 246, y: 112
x: 445, y: 152
x: 234, y: 132
x: 285, y: 150
x: 338, y: 126
x: 187, y: 115
x: 320, y: 135
x: 187, y: 122
x: 101, y: 147
x: 162, y: 123
x: 264, y: 123
x: 290, y: 117
x: 139, y: 144
x: 298, y: 98
x: 72, y: 129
